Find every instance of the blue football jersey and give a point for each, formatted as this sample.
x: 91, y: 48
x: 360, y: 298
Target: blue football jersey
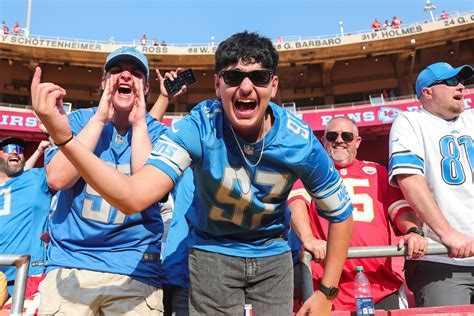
x: 24, y: 209
x: 175, y: 254
x: 87, y: 233
x: 240, y: 208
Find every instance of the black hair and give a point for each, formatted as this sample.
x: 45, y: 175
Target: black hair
x: 250, y: 48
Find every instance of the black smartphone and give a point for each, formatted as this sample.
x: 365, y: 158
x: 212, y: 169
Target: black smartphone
x: 186, y: 78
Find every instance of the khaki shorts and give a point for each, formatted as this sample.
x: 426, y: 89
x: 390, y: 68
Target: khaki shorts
x: 84, y: 292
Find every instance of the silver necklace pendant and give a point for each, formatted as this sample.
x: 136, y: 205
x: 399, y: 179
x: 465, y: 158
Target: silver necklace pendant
x: 119, y: 139
x: 249, y: 150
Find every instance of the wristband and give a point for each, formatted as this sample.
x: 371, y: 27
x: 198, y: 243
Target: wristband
x: 330, y: 292
x: 67, y: 141
x: 416, y: 230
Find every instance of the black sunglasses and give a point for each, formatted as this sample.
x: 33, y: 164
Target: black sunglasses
x: 450, y: 82
x: 346, y: 136
x: 234, y: 78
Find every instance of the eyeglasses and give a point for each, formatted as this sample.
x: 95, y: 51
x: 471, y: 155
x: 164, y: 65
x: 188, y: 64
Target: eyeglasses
x: 235, y: 77
x: 450, y: 82
x: 9, y: 148
x: 346, y: 136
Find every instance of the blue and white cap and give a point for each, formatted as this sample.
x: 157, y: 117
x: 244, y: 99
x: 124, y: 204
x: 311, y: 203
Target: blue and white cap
x: 127, y: 54
x: 440, y: 71
x: 12, y: 140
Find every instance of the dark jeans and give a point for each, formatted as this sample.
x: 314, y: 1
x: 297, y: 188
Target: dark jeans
x: 221, y: 285
x: 439, y: 284
x: 175, y: 300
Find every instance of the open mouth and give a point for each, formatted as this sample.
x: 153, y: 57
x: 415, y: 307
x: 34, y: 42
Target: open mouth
x: 458, y: 97
x: 124, y: 90
x: 14, y: 159
x: 245, y: 105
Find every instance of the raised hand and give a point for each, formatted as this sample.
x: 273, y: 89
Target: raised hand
x: 105, y: 111
x: 47, y: 100
x: 159, y: 108
x: 170, y: 75
x: 43, y: 145
x: 138, y: 113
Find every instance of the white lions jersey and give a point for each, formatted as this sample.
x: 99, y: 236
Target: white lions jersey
x: 442, y: 152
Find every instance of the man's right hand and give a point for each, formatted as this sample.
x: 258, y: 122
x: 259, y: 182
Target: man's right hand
x: 47, y: 100
x: 461, y: 246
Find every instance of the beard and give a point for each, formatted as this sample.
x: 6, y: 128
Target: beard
x: 339, y: 155
x: 11, y: 171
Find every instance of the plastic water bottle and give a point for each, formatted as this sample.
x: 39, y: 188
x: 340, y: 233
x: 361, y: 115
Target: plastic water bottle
x: 363, y: 294
x: 248, y: 310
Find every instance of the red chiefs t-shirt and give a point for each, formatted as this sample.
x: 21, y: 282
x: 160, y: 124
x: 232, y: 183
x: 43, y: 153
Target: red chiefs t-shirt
x: 375, y: 202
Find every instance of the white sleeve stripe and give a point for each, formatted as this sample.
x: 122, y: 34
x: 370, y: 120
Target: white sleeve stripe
x: 336, y: 213
x: 405, y: 170
x: 330, y: 191
x: 167, y: 149
x: 171, y: 164
x: 334, y: 202
x: 300, y: 193
x: 395, y: 207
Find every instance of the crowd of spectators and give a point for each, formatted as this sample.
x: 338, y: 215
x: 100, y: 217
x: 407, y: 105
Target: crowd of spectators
x: 16, y: 28
x: 395, y: 23
x: 232, y: 222
x: 155, y: 42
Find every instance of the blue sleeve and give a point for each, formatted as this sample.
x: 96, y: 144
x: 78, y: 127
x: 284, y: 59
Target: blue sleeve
x: 181, y: 145
x: 155, y: 129
x: 40, y: 175
x: 324, y: 184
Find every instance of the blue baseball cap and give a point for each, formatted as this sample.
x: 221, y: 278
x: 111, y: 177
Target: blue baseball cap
x: 127, y: 54
x: 440, y: 71
x: 12, y: 140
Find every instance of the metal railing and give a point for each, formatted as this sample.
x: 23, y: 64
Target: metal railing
x: 359, y: 252
x: 22, y: 264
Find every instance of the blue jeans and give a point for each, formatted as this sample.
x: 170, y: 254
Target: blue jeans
x: 221, y: 285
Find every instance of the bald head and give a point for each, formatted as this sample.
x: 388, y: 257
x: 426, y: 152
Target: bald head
x: 337, y: 121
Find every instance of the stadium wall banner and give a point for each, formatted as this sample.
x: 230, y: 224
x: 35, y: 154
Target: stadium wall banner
x: 369, y: 115
x: 283, y: 44
x: 18, y: 121
x: 363, y: 115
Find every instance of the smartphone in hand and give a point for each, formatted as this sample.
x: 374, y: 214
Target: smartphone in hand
x: 184, y: 78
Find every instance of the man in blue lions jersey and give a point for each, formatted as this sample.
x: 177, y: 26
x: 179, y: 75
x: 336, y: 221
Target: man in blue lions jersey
x: 175, y: 253
x: 100, y: 260
x: 245, y: 153
x: 24, y: 208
